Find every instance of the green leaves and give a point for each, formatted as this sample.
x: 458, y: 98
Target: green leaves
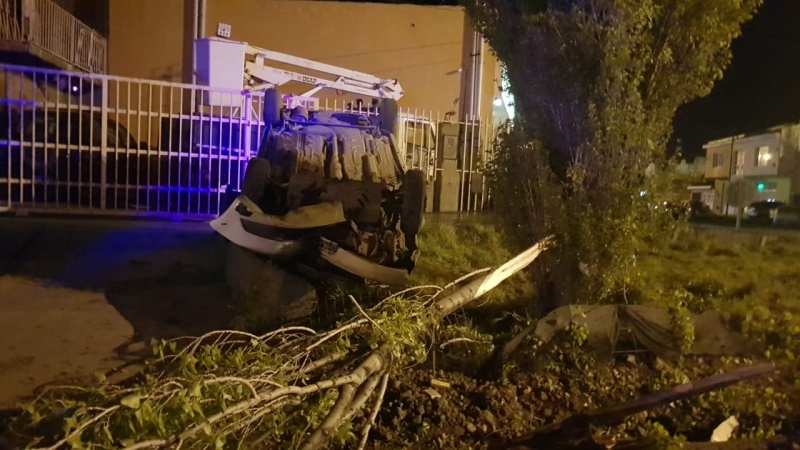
x: 131, y: 401
x: 596, y: 84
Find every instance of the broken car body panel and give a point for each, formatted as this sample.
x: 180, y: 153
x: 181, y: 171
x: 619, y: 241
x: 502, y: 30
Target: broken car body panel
x: 362, y: 267
x: 244, y: 224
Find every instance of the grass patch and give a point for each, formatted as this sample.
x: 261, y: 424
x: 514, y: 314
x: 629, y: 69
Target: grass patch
x: 755, y: 287
x: 449, y: 251
x: 708, y: 268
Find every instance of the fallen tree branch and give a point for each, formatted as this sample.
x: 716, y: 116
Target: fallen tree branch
x: 83, y: 426
x: 361, y: 311
x: 221, y: 386
x: 332, y: 420
x: 376, y: 407
x: 346, y: 402
x: 322, y: 362
x: 475, y: 289
x: 576, y: 426
x: 362, y: 395
x: 449, y: 342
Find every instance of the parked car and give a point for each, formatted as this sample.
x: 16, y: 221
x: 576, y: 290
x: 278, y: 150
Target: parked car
x: 74, y: 128
x: 32, y: 135
x: 787, y: 215
x: 763, y: 211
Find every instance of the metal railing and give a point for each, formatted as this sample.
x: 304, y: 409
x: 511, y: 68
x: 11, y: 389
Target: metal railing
x: 420, y: 140
x: 98, y: 144
x: 44, y: 24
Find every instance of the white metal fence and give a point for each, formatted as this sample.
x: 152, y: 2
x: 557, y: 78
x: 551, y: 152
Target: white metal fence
x: 85, y: 143
x: 44, y: 24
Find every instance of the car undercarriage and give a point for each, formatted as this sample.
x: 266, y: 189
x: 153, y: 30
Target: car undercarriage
x: 329, y: 188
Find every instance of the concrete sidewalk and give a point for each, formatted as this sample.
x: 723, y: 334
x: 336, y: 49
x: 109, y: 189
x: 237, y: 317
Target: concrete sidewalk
x: 76, y: 294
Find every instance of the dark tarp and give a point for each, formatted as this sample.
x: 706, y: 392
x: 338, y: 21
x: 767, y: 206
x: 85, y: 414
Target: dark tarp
x: 650, y: 326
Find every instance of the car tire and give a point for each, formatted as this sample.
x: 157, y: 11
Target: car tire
x: 272, y: 107
x: 388, y: 115
x: 413, y: 209
x: 255, y: 179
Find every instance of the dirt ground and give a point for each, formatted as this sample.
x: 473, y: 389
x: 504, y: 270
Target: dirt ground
x: 84, y: 296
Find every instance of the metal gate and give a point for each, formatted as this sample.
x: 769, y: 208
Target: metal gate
x: 98, y: 144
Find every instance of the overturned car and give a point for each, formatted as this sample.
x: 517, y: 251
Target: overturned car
x: 329, y: 188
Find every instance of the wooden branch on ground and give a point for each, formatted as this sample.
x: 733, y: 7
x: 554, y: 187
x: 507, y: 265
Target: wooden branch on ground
x: 577, y: 426
x: 475, y: 289
x: 376, y: 407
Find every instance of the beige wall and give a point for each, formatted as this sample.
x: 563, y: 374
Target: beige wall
x: 418, y: 45
x: 145, y: 39
x: 749, y: 147
x: 720, y: 171
x: 490, y: 83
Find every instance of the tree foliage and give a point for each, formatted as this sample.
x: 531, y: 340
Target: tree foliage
x: 596, y: 84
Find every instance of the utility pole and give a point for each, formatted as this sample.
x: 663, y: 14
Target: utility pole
x: 194, y: 27
x: 472, y: 73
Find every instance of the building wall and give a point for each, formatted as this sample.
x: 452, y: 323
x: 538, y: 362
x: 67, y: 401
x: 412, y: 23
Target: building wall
x: 146, y: 39
x: 776, y: 189
x: 418, y: 45
x: 718, y: 161
x: 749, y: 146
x: 720, y: 196
x: 790, y: 160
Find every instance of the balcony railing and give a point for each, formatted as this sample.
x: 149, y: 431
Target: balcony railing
x: 44, y: 25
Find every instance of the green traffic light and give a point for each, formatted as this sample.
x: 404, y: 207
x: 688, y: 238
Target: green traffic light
x: 760, y: 186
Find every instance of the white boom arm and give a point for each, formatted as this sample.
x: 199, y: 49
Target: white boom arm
x: 258, y: 76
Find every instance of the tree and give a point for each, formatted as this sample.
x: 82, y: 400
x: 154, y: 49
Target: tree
x: 741, y: 192
x: 596, y: 84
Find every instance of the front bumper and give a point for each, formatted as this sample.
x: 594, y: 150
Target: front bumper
x: 298, y: 235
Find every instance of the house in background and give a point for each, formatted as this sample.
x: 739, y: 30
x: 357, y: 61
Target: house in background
x: 702, y: 194
x: 767, y: 159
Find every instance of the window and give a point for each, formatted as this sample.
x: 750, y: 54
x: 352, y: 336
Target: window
x: 717, y: 160
x: 739, y: 162
x: 763, y: 157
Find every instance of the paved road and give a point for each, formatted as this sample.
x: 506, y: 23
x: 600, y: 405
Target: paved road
x: 76, y: 295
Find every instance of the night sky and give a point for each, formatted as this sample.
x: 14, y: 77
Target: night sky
x: 760, y: 88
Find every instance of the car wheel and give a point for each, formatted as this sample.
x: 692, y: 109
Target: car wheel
x: 388, y: 115
x: 255, y: 179
x: 414, y: 192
